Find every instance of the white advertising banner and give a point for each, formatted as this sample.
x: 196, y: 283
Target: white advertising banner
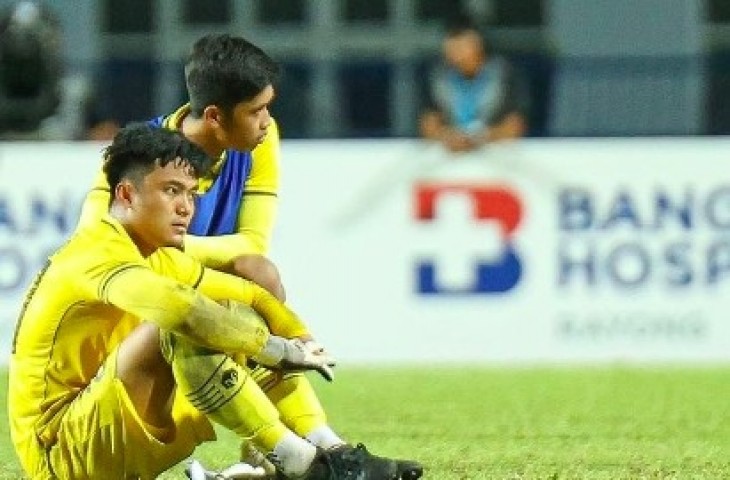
x: 542, y: 250
x: 559, y: 250
x: 42, y: 186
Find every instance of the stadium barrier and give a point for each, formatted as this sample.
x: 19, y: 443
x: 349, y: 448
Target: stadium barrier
x: 541, y: 250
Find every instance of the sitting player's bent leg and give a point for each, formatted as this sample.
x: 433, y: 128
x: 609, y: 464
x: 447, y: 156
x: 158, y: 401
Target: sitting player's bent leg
x: 300, y: 409
x: 124, y: 423
x: 224, y: 391
x: 146, y: 375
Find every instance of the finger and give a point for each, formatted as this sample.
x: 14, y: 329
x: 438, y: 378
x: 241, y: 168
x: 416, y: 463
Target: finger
x: 323, y: 357
x: 326, y: 372
x: 322, y: 368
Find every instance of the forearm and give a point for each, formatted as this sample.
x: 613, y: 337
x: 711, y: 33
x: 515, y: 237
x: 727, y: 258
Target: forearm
x: 96, y: 203
x: 178, y: 308
x: 95, y: 206
x: 213, y: 326
x: 256, y: 223
x: 217, y: 251
x: 280, y: 319
x: 513, y: 126
x: 432, y: 126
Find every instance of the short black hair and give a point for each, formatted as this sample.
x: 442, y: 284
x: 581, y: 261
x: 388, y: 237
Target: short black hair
x: 461, y: 23
x: 138, y: 148
x: 224, y: 70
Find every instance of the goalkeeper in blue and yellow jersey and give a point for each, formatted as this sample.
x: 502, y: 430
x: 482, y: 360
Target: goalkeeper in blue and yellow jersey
x: 230, y: 84
x: 123, y: 354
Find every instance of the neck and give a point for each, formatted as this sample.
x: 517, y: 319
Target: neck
x: 197, y: 132
x: 118, y: 213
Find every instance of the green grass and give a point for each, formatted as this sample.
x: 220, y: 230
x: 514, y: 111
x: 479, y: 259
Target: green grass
x: 531, y: 423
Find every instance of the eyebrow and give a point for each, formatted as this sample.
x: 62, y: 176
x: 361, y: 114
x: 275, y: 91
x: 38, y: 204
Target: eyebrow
x: 181, y: 185
x: 260, y: 105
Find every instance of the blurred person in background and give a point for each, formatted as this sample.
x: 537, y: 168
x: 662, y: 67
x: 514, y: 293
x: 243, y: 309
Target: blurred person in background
x: 39, y: 99
x: 475, y: 97
x: 97, y: 125
x: 30, y: 70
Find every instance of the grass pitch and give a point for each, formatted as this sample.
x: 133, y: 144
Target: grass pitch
x: 518, y: 423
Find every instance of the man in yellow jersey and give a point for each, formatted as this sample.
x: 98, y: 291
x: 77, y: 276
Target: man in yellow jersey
x: 118, y: 359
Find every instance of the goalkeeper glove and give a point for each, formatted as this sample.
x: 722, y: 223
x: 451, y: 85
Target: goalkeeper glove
x: 294, y: 354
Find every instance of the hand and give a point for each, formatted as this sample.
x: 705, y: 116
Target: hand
x: 313, y: 346
x: 318, y: 350
x: 295, y: 354
x: 309, y: 356
x: 457, y: 142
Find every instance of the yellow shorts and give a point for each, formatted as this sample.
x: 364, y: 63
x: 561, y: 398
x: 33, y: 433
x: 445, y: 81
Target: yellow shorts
x: 102, y: 436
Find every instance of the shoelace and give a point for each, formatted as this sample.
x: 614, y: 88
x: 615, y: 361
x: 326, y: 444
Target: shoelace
x: 348, y: 465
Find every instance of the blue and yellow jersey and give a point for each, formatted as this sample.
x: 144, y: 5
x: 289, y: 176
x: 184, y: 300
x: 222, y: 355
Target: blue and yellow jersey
x: 237, y: 207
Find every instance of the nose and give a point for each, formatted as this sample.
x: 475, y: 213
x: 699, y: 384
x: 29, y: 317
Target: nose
x: 266, y: 119
x: 185, y: 206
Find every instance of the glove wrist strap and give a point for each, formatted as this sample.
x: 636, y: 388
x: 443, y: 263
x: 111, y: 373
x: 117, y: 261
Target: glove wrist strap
x: 273, y: 352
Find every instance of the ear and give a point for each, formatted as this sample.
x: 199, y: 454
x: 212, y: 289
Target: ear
x: 123, y: 193
x: 213, y: 116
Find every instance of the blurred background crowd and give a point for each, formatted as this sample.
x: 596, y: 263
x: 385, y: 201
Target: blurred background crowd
x: 74, y: 69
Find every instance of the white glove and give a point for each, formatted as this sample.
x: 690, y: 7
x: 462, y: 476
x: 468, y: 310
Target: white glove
x: 294, y: 354
x: 314, y: 347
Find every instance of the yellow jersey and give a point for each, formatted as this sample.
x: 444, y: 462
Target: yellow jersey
x: 255, y: 216
x: 92, y: 293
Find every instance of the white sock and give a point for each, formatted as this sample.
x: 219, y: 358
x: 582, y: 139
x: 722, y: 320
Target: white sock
x: 293, y: 455
x: 324, y: 437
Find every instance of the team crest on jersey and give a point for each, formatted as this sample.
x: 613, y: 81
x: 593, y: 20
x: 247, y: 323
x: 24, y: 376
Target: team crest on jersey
x: 229, y: 378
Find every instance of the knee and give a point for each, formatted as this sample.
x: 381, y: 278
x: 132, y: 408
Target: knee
x: 141, y: 352
x: 261, y: 271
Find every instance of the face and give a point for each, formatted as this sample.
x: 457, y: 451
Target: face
x: 159, y: 209
x: 247, y: 126
x: 465, y: 52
